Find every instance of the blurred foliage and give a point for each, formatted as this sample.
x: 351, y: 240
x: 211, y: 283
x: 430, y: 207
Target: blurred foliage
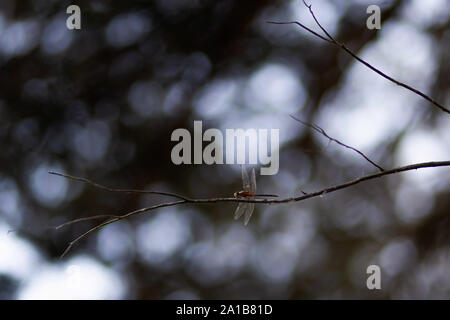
x: 102, y: 102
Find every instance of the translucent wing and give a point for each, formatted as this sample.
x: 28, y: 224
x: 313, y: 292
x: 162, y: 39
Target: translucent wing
x: 245, y: 179
x: 241, y: 208
x: 253, y: 182
x: 248, y: 212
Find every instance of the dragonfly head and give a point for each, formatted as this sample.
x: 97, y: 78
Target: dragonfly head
x: 236, y: 194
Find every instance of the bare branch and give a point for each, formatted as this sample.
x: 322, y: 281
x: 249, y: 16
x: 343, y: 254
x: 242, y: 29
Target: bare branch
x: 304, y: 196
x: 330, y: 39
x: 169, y: 194
x: 317, y: 21
x: 321, y: 131
x: 118, y: 218
x: 304, y: 27
x: 101, y: 216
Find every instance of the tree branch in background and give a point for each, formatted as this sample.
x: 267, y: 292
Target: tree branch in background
x: 216, y: 200
x: 321, y: 131
x: 330, y: 39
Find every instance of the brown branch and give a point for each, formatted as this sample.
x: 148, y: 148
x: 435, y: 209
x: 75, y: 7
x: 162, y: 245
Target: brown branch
x: 118, y: 218
x: 330, y: 39
x: 321, y: 131
x: 304, y: 196
x: 87, y: 181
x: 100, y: 216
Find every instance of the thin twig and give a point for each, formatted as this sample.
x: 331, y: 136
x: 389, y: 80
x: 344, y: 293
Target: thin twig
x: 169, y: 194
x: 303, y: 26
x: 100, y: 216
x: 118, y: 218
x: 350, y: 52
x: 304, y: 196
x: 321, y: 131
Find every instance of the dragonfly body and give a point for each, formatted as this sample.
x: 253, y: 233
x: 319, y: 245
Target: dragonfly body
x: 243, y: 193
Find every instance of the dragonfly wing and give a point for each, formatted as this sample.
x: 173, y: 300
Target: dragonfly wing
x: 241, y: 208
x: 253, y: 182
x: 245, y: 179
x: 248, y: 212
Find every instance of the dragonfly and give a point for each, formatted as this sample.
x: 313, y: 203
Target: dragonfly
x: 249, y: 185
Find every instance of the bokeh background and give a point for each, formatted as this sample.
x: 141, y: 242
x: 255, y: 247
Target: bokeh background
x: 102, y: 102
